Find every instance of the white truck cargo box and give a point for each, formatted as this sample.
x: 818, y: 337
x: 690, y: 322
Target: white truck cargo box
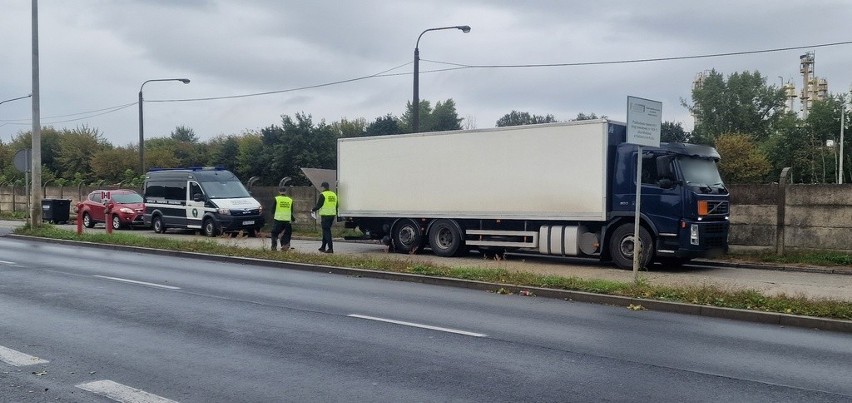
x: 551, y: 171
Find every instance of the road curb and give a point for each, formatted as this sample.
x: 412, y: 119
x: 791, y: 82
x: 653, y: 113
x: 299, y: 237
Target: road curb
x: 780, y: 319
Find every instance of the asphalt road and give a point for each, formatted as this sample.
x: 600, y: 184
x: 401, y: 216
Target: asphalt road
x: 769, y: 282
x: 201, y: 331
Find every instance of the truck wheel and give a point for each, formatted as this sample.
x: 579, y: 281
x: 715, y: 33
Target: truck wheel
x: 87, y: 221
x: 406, y: 236
x: 157, y: 225
x: 621, y: 246
x: 445, y: 238
x: 209, y: 228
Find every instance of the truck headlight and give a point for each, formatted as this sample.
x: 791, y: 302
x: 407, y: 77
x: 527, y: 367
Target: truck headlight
x: 693, y: 234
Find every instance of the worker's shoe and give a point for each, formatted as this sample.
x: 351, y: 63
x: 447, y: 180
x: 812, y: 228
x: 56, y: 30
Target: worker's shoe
x: 321, y: 250
x: 328, y: 251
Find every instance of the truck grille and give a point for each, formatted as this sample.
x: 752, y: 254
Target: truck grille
x: 717, y: 207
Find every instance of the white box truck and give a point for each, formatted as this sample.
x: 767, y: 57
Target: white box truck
x: 563, y: 189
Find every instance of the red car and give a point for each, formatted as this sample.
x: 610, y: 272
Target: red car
x: 126, y: 207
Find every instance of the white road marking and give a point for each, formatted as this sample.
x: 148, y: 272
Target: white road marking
x: 19, y: 359
x: 399, y: 322
x: 7, y: 262
x: 168, y: 287
x: 122, y: 393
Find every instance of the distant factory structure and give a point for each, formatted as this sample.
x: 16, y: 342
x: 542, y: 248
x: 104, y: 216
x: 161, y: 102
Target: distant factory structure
x: 813, y: 88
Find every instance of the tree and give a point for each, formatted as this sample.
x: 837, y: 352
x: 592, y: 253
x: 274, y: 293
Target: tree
x: 671, y: 132
x: 296, y: 144
x: 112, y: 163
x: 443, y: 117
x: 223, y: 151
x: 583, y: 116
x: 76, y: 148
x: 822, y: 125
x: 349, y: 128
x: 184, y: 134
x: 515, y: 118
x: 384, y: 125
x: 742, y: 161
x: 741, y: 104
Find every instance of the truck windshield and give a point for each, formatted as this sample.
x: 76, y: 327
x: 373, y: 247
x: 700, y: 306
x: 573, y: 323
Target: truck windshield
x: 700, y: 172
x: 225, y: 190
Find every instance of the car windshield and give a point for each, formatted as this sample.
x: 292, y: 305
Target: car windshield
x: 127, y: 198
x: 225, y: 190
x: 700, y: 172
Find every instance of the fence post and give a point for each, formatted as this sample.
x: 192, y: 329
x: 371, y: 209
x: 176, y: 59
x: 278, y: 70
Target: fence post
x: 781, y: 204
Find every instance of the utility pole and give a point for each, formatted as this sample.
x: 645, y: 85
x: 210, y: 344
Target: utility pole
x: 37, y: 192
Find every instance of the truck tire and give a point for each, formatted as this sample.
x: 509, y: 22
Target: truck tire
x: 406, y: 236
x: 621, y: 246
x: 445, y: 238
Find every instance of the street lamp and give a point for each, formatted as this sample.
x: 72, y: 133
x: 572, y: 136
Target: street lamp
x: 15, y: 99
x: 416, y: 104
x: 141, y: 130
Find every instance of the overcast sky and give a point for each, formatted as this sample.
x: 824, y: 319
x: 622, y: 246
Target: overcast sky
x: 95, y: 54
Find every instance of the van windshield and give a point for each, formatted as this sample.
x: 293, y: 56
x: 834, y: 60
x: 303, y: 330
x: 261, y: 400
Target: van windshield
x: 225, y: 190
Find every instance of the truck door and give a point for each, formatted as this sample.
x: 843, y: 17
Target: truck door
x: 194, y: 205
x: 662, y: 200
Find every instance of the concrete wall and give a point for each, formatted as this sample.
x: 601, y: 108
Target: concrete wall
x: 804, y: 217
x: 791, y: 217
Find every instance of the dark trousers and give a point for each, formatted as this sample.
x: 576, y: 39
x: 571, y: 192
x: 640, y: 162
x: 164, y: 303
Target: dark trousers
x: 327, y: 221
x: 277, y: 228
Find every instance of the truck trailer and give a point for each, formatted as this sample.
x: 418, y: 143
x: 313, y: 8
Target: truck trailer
x: 565, y: 189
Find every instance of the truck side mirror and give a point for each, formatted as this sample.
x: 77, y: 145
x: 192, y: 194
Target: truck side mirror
x: 666, y: 183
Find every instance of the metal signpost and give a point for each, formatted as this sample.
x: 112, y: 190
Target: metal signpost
x: 23, y: 162
x: 644, y: 121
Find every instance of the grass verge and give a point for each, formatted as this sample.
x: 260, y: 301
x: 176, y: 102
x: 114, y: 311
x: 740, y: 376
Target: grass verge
x: 704, y: 294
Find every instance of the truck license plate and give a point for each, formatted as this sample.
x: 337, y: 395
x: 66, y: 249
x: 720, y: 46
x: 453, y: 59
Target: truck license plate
x: 248, y: 222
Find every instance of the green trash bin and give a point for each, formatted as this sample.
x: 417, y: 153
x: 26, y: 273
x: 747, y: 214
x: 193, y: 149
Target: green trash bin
x: 55, y: 211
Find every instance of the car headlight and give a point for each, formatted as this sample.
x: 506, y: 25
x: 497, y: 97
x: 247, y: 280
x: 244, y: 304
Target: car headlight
x: 126, y: 210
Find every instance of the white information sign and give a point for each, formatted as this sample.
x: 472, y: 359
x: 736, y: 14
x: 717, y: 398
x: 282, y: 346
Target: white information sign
x: 644, y: 121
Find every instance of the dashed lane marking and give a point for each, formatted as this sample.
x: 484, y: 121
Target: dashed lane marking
x: 422, y: 326
x: 167, y: 287
x: 122, y: 393
x: 18, y: 358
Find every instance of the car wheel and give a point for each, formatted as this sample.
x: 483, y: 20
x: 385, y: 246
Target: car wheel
x: 157, y: 225
x: 87, y: 221
x: 116, y: 222
x: 209, y: 228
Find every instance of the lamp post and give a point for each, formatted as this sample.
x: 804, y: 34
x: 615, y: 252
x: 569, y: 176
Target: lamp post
x: 842, y: 124
x: 416, y: 103
x: 141, y: 130
x: 15, y: 99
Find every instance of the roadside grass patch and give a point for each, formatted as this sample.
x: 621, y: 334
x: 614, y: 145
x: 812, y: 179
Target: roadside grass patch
x: 704, y: 294
x: 817, y: 258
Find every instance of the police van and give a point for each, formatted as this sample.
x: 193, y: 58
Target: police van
x: 212, y: 200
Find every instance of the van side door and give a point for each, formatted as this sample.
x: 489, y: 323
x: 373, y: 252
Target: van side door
x: 195, y: 200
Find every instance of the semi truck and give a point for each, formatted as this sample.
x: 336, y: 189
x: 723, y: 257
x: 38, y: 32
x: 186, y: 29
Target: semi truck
x: 566, y: 189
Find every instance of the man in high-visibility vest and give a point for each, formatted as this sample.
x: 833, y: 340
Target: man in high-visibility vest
x: 327, y: 209
x: 282, y: 219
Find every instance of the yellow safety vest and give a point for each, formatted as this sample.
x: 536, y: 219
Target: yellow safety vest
x: 329, y: 207
x: 283, y: 208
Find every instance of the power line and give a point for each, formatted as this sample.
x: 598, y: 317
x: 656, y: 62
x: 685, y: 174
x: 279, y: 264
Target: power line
x: 456, y: 66
x: 655, y: 59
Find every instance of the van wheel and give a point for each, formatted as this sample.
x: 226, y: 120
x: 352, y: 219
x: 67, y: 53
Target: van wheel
x: 87, y: 221
x: 208, y: 228
x: 406, y: 235
x: 445, y: 238
x: 157, y: 225
x: 621, y: 246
